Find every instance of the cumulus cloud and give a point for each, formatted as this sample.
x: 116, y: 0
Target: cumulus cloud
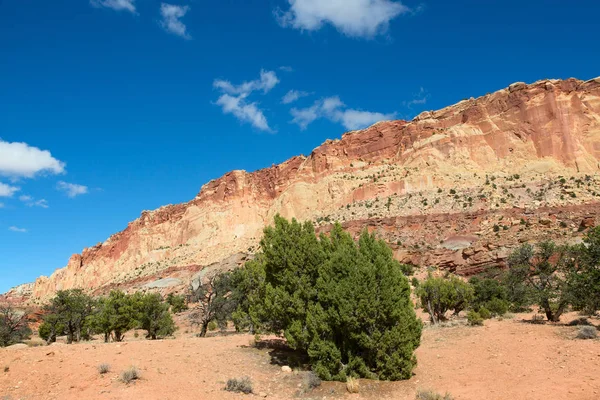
x: 333, y: 109
x: 19, y: 160
x: 293, y: 95
x: 16, y: 229
x: 233, y: 99
x: 119, y: 5
x: 71, y: 189
x: 356, y: 18
x: 7, y: 190
x: 171, y: 22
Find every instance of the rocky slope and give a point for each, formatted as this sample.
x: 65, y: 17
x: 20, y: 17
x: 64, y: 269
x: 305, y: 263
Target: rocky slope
x: 458, y: 188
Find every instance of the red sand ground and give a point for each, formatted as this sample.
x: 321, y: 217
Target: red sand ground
x: 503, y: 360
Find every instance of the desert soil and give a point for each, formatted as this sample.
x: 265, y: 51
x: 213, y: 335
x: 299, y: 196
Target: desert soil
x: 505, y: 359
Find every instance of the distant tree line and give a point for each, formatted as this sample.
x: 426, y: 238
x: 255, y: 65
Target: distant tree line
x: 554, y: 278
x: 78, y: 316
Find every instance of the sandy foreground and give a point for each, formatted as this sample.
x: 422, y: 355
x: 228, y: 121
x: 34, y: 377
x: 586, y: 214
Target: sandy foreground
x: 507, y: 359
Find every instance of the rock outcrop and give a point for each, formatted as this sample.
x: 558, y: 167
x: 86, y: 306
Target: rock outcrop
x: 457, y: 188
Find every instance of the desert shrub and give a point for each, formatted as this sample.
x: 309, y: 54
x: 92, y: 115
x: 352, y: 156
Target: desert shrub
x: 352, y: 385
x: 6, y: 369
x: 474, y: 318
x: 243, y: 385
x: 14, y: 326
x: 345, y: 305
x: 414, y: 282
x: 212, y: 326
x: 103, y: 369
x: 177, y: 303
x: 587, y: 332
x: 129, y: 375
x: 488, y: 290
x: 312, y: 380
x: 584, y: 278
x: 430, y: 395
x: 484, y: 313
x: 439, y: 295
x: 215, y: 302
x: 68, y: 313
x: 153, y: 315
x: 545, y: 270
x: 497, y: 307
x: 114, y: 315
x: 407, y: 269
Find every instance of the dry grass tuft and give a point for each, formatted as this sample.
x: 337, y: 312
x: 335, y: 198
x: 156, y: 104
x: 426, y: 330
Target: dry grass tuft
x: 352, y: 385
x: 130, y: 375
x: 103, y: 369
x: 431, y: 395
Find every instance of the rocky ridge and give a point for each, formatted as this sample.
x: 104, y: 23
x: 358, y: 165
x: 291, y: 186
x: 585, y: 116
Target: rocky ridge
x: 456, y: 188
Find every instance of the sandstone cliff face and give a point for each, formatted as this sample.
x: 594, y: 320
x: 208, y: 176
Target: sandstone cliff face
x: 513, y: 154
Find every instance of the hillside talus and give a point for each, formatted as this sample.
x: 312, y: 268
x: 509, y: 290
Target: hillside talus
x: 458, y: 188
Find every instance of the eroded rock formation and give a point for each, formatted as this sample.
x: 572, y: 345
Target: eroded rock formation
x: 458, y: 188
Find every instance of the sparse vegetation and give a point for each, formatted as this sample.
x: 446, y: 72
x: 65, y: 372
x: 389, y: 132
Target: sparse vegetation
x: 243, y: 385
x: 14, y: 326
x: 312, y: 380
x: 352, y: 385
x: 431, y: 395
x: 439, y: 295
x: 474, y: 318
x: 103, y: 369
x: 587, y: 332
x: 129, y: 375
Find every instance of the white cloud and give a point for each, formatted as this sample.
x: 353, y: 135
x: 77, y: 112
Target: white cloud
x: 293, y: 95
x: 19, y: 160
x: 357, y: 18
x: 119, y: 5
x: 171, y: 15
x: 245, y: 112
x: 72, y: 189
x: 1, y: 205
x: 267, y: 81
x: 30, y: 202
x: 7, y: 190
x: 15, y: 229
x: 334, y: 109
x: 305, y: 116
x: 286, y: 68
x: 234, y: 99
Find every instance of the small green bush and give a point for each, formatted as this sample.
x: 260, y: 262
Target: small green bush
x: 212, y: 326
x: 243, y: 385
x: 474, y: 318
x: 497, y: 307
x: 485, y: 313
x: 407, y: 269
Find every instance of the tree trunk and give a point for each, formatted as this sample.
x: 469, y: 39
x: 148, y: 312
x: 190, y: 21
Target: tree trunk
x: 204, y: 329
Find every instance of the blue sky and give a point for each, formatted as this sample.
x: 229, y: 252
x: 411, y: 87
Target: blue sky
x: 111, y: 107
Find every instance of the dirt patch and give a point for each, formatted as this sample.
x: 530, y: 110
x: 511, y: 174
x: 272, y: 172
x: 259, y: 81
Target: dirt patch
x: 502, y: 360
